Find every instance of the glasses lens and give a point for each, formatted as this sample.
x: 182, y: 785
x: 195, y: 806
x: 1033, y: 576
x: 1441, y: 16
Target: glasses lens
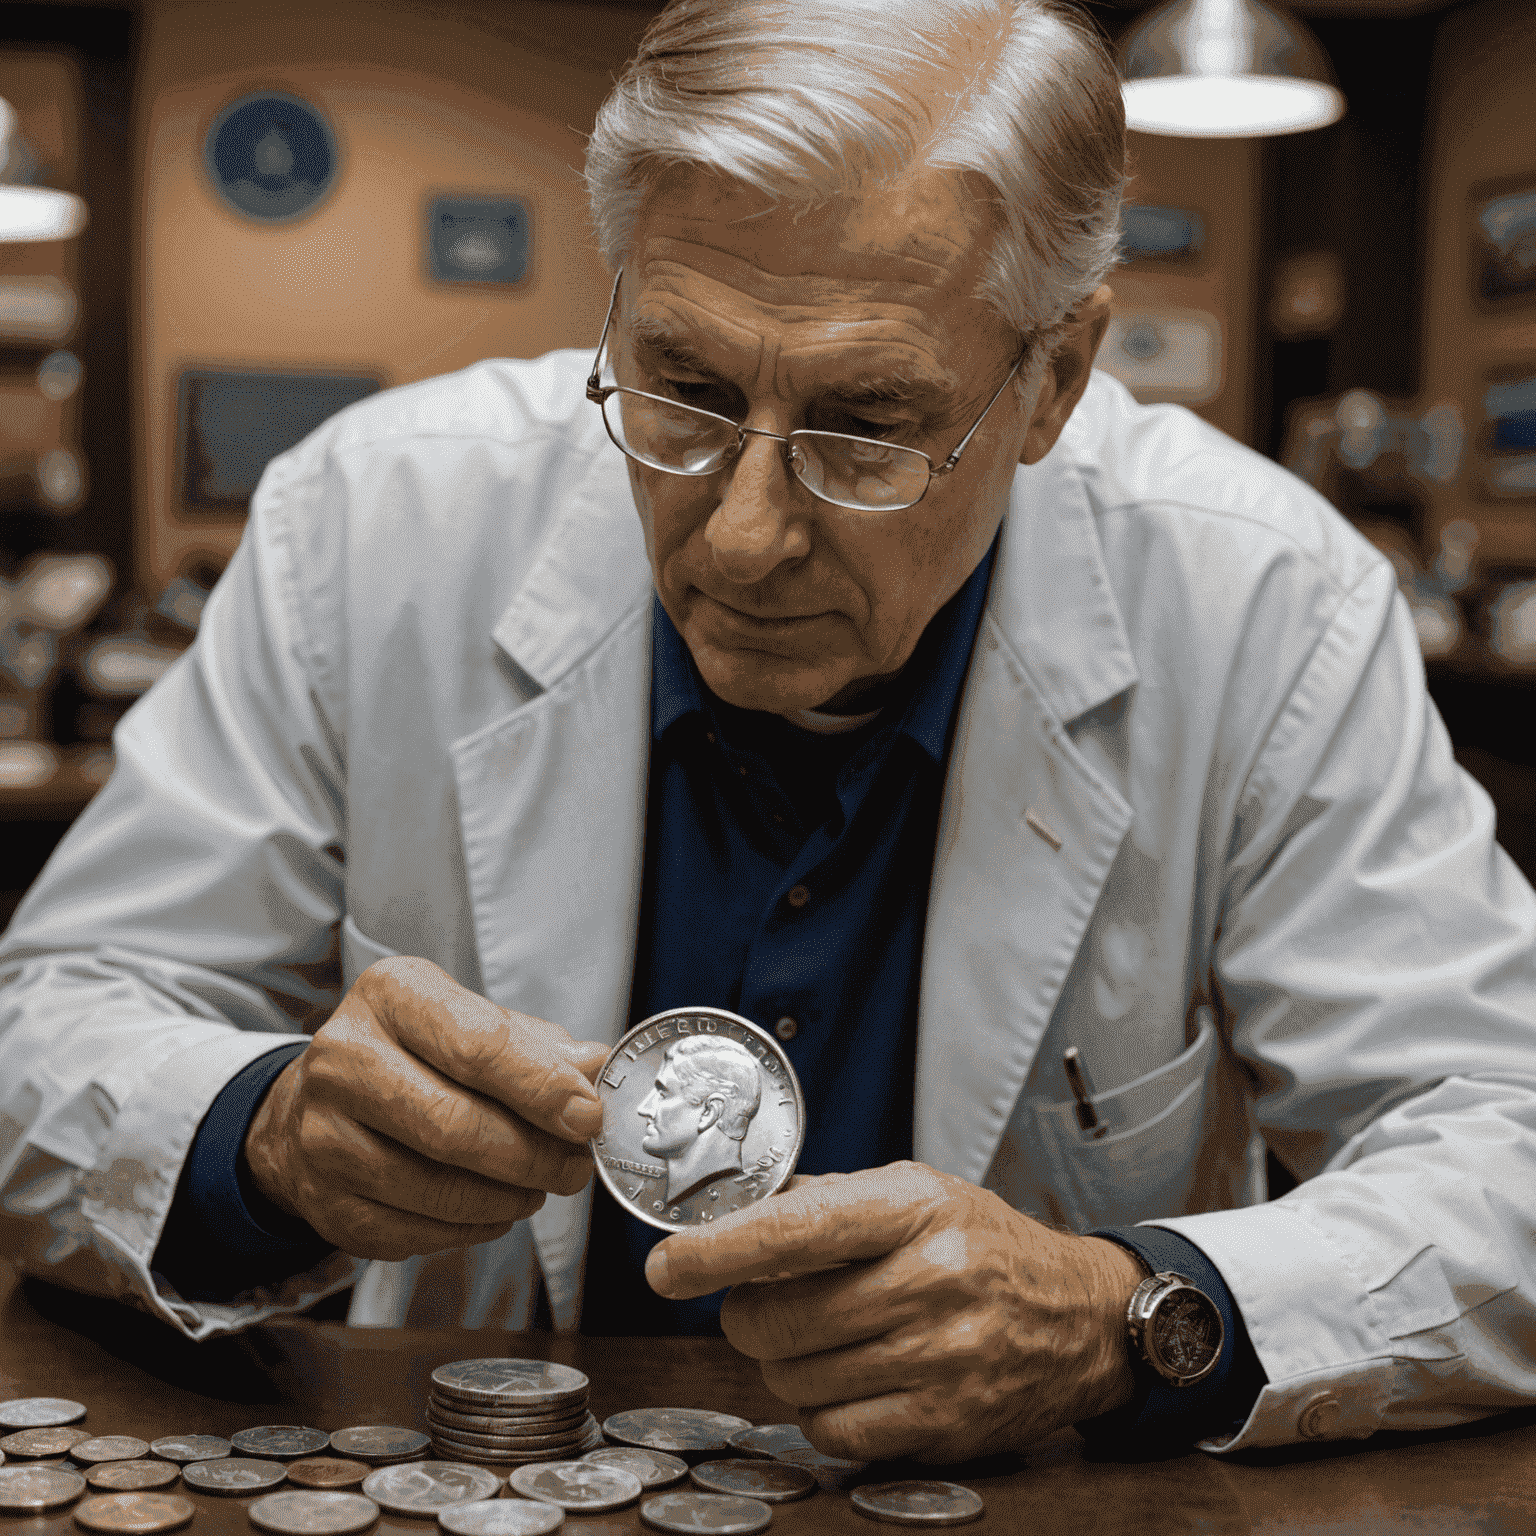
x: 667, y: 436
x: 858, y: 473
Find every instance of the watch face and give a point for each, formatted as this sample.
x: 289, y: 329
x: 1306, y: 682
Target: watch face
x: 1186, y: 1333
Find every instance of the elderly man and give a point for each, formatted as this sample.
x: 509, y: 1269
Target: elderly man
x: 941, y: 710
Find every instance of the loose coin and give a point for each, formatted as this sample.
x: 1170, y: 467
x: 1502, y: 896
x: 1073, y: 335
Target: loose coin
x: 919, y: 1503
x: 108, y: 1448
x: 236, y: 1475
x: 185, y: 1448
x: 378, y: 1442
x: 582, y: 1487
x: 39, y: 1412
x: 280, y: 1442
x: 134, y: 1513
x: 131, y: 1476
x: 501, y: 1517
x: 655, y: 1469
x: 723, y: 1514
x: 43, y: 1442
x: 787, y: 1442
x: 511, y: 1383
x: 27, y: 1490
x: 764, y: 1118
x: 774, y: 1482
x: 428, y: 1486
x: 673, y: 1429
x: 313, y: 1514
x: 327, y: 1472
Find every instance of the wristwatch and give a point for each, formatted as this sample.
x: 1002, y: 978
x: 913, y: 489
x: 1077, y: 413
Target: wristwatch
x: 1175, y: 1328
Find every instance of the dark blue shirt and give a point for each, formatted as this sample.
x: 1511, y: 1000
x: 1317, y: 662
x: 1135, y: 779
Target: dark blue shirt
x: 786, y: 878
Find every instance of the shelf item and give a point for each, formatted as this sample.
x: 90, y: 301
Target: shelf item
x: 1149, y: 233
x: 1164, y: 355
x: 1504, y: 240
x: 37, y: 310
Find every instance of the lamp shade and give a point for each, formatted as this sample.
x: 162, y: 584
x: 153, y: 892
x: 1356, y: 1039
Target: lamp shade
x: 1226, y: 69
x: 31, y: 213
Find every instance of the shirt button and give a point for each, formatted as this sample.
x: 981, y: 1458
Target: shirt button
x: 1316, y: 1421
x: 786, y: 1029
x: 798, y: 896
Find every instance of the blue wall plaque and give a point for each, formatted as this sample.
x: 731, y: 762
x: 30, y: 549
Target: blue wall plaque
x: 271, y: 157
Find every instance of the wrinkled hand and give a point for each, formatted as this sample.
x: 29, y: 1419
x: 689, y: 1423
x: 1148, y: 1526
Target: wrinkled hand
x: 956, y: 1327
x: 424, y: 1117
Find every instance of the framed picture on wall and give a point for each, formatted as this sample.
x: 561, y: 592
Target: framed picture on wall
x: 1507, y: 441
x: 478, y: 240
x: 1504, y: 240
x: 1150, y: 233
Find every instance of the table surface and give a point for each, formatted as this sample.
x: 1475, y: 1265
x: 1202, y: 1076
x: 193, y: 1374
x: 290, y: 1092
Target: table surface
x: 138, y: 1377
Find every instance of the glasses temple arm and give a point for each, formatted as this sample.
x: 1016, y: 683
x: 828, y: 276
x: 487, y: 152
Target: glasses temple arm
x: 954, y: 458
x: 593, y: 390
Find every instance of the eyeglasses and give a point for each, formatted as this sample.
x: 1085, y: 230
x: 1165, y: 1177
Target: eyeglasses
x: 862, y: 474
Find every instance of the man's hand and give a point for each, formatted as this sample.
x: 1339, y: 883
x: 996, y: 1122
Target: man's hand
x: 954, y: 1326
x: 424, y: 1117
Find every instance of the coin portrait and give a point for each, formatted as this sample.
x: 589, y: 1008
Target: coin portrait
x: 702, y: 1115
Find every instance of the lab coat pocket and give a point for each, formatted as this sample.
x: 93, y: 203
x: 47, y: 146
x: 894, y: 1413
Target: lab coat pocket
x: 358, y: 952
x: 1152, y: 1144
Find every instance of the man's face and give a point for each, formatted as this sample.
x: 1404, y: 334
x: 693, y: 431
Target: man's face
x: 674, y: 1121
x: 857, y: 317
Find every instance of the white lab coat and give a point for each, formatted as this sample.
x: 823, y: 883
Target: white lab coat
x: 1200, y: 821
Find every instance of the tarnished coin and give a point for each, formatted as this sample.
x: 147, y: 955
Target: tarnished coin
x: 502, y: 1517
x: 132, y: 1476
x: 235, y: 1475
x: 378, y: 1442
x: 423, y: 1488
x: 313, y: 1514
x: 653, y: 1156
x: 655, y: 1469
x: 43, y: 1442
x: 511, y: 1383
x: 721, y: 1513
x: 39, y: 1412
x: 327, y: 1472
x: 185, y: 1448
x: 919, y: 1503
x: 673, y: 1429
x: 582, y: 1487
x: 135, y: 1513
x: 108, y: 1448
x: 787, y: 1443
x: 27, y: 1490
x: 774, y: 1482
x: 280, y: 1442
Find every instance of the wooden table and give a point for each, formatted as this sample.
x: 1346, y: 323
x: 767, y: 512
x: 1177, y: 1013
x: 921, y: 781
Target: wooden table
x: 138, y: 1377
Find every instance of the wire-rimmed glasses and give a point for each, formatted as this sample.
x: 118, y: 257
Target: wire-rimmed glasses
x: 862, y: 474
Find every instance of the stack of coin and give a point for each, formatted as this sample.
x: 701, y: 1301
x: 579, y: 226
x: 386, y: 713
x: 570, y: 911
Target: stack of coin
x: 507, y: 1413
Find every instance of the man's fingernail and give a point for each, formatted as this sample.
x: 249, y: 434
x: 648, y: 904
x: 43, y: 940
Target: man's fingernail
x: 582, y: 1116
x: 658, y: 1272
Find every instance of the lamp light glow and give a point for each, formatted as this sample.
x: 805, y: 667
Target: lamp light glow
x: 30, y: 213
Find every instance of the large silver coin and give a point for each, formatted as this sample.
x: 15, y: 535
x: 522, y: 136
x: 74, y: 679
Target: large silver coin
x: 39, y: 1412
x: 724, y: 1514
x: 774, y: 1482
x: 313, y: 1514
x: 511, y: 1383
x: 787, y: 1442
x: 378, y: 1442
x: 666, y: 1076
x: 578, y: 1486
x: 424, y: 1487
x: 134, y: 1514
x: 108, y: 1448
x: 673, y: 1429
x: 43, y: 1442
x: 133, y: 1476
x: 655, y: 1469
x: 919, y: 1503
x: 185, y: 1448
x: 234, y: 1475
x: 502, y: 1517
x: 280, y: 1442
x: 27, y: 1490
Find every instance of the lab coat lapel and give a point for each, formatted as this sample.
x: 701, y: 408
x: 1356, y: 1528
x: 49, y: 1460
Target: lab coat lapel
x: 552, y: 805
x: 1029, y: 829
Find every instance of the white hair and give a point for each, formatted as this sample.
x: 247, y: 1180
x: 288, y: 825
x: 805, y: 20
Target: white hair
x: 807, y: 99
x: 719, y: 1069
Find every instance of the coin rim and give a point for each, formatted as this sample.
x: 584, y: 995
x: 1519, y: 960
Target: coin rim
x: 776, y: 1496
x: 787, y: 1169
x: 932, y: 1521
x: 653, y: 1521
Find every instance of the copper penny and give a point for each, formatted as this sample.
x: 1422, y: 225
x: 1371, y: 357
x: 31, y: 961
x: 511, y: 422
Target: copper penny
x: 131, y: 1476
x: 327, y: 1472
x: 43, y: 1442
x: 137, y: 1513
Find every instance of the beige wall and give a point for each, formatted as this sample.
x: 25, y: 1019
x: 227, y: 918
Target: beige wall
x: 1482, y: 129
x: 423, y: 99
